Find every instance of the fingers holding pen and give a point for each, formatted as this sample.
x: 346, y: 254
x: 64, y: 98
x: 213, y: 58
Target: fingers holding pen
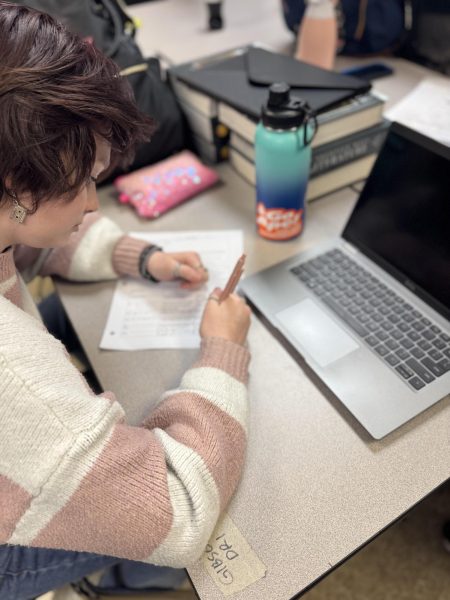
x: 228, y: 319
x: 226, y: 315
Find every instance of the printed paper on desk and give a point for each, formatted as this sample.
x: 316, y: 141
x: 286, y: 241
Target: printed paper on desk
x: 426, y: 109
x: 229, y: 559
x: 144, y: 315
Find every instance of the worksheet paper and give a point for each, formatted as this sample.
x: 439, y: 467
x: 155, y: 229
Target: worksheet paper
x: 426, y: 109
x: 145, y: 315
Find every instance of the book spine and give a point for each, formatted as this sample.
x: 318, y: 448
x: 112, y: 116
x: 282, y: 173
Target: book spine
x: 351, y: 106
x: 334, y: 154
x: 337, y: 154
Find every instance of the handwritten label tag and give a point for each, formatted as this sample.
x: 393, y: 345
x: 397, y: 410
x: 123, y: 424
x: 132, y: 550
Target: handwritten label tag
x: 229, y: 560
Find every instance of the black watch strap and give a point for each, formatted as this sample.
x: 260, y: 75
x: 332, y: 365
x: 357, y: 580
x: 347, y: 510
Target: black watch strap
x: 143, y: 258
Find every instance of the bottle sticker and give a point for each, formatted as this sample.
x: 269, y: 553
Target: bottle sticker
x: 229, y: 560
x: 278, y: 223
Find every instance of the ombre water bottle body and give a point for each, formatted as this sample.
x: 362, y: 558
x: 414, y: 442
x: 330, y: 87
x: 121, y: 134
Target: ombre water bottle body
x: 282, y: 167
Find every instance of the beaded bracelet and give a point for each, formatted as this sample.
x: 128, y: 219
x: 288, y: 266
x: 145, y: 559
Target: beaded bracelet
x: 143, y: 258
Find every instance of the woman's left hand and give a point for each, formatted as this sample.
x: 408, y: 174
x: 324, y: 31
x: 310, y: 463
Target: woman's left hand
x: 186, y: 266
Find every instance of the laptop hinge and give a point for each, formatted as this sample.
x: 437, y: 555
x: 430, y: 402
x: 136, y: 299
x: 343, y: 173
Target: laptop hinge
x: 351, y: 249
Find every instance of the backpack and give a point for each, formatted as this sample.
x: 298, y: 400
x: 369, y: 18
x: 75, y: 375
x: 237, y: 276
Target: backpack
x: 415, y: 29
x: 429, y: 42
x: 113, y: 32
x: 365, y: 26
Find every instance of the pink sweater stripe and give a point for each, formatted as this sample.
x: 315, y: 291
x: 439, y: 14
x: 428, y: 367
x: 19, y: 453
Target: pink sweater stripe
x: 7, y: 266
x: 14, y: 293
x: 225, y: 355
x: 14, y: 501
x: 126, y: 256
x: 210, y: 432
x: 117, y: 510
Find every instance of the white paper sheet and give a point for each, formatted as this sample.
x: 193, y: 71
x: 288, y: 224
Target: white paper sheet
x: 426, y: 109
x: 148, y: 316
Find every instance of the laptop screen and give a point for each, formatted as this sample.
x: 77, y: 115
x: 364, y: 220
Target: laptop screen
x: 402, y: 218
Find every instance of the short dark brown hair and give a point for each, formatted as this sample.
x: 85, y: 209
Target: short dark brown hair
x: 56, y: 91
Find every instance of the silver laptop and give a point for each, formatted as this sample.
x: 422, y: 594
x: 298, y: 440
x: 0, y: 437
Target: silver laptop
x: 370, y: 311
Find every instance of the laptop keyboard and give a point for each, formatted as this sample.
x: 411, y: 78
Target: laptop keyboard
x: 416, y: 349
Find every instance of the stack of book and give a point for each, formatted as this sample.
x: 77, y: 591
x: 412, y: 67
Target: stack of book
x: 343, y: 151
x: 349, y: 136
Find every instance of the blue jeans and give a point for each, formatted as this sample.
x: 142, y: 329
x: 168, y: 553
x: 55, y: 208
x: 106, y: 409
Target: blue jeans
x: 29, y: 572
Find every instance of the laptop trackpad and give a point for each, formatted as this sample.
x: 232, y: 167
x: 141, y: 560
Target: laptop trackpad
x: 316, y: 332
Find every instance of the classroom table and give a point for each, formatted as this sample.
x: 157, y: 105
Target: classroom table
x: 316, y: 487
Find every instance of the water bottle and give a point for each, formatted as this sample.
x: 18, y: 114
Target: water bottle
x: 215, y: 20
x: 282, y: 159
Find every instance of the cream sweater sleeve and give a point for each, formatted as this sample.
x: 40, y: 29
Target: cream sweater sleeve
x: 98, y: 251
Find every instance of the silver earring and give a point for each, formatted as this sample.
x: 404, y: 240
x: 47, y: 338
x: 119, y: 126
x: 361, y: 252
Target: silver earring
x: 18, y: 212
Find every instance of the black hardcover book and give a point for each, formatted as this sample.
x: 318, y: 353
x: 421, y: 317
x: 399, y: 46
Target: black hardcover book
x: 241, y: 78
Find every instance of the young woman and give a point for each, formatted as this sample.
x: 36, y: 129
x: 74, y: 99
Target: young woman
x: 74, y: 477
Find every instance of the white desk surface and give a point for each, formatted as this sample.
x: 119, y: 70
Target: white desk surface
x: 315, y: 487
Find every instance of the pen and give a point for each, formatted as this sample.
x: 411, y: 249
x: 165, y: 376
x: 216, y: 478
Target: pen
x: 233, y: 280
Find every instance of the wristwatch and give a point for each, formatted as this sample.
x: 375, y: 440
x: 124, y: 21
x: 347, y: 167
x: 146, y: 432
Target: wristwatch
x: 143, y: 258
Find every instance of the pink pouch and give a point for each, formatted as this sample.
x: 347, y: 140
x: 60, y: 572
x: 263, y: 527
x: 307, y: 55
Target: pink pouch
x: 156, y: 189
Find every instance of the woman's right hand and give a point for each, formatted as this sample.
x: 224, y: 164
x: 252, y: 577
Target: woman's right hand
x: 229, y: 320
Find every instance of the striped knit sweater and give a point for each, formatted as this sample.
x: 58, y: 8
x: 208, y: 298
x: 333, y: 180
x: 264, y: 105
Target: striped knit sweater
x: 73, y: 474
